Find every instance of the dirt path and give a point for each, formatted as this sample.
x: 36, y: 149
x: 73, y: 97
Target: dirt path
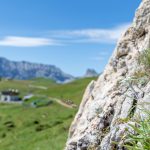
x: 58, y: 101
x: 61, y: 103
x: 38, y: 87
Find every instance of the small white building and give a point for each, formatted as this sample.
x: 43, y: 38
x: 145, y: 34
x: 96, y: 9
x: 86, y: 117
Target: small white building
x: 27, y: 97
x: 10, y: 96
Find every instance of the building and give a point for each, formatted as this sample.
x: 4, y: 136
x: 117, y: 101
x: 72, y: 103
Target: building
x: 27, y: 97
x: 10, y: 95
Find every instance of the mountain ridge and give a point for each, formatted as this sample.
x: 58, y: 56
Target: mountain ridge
x: 24, y: 70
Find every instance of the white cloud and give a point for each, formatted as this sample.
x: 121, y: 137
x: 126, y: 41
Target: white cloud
x: 16, y: 41
x: 64, y: 37
x: 99, y: 35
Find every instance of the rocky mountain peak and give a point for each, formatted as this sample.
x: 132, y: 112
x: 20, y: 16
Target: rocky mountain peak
x: 114, y: 97
x: 24, y: 70
x: 91, y: 73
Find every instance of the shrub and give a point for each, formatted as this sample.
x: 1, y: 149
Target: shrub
x: 42, y: 127
x: 36, y: 122
x: 9, y: 124
x: 3, y: 135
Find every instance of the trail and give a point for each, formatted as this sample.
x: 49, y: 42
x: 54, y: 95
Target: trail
x: 38, y: 87
x: 61, y: 103
x: 57, y: 101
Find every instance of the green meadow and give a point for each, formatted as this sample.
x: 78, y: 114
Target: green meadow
x: 43, y: 128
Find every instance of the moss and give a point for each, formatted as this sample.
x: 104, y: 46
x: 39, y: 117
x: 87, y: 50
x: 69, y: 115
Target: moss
x: 92, y: 147
x: 140, y: 74
x: 122, y: 120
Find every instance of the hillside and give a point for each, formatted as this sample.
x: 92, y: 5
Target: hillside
x: 26, y: 70
x: 73, y: 90
x: 44, y: 127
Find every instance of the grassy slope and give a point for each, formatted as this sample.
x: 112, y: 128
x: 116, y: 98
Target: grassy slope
x: 73, y: 91
x: 54, y: 119
x: 24, y: 136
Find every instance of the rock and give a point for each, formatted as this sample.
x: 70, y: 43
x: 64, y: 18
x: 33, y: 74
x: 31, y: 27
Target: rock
x: 113, y: 100
x: 91, y: 73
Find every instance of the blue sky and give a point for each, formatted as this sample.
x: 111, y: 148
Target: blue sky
x: 71, y: 34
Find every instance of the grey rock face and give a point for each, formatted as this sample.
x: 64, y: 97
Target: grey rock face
x: 91, y: 73
x: 112, y: 99
x: 26, y: 70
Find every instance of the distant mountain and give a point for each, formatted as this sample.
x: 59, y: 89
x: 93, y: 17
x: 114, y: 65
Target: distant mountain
x: 91, y: 73
x: 26, y: 70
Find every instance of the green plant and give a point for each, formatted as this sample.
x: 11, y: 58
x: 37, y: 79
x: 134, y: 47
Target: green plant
x: 139, y: 139
x: 122, y: 120
x: 144, y: 59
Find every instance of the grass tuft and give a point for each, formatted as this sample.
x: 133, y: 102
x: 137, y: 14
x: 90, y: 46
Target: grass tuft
x: 139, y: 139
x: 144, y: 59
